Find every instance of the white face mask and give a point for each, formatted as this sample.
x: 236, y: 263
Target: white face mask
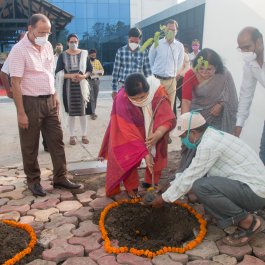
x: 249, y: 56
x: 41, y: 41
x: 73, y: 46
x: 133, y: 46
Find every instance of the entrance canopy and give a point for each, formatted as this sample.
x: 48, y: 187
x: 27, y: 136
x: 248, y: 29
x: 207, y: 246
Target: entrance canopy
x: 14, y: 15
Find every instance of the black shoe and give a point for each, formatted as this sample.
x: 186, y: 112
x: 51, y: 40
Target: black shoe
x: 67, y: 184
x: 94, y: 116
x: 145, y: 185
x: 36, y: 189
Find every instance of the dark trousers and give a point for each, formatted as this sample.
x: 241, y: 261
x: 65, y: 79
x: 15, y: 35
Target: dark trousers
x: 94, y: 84
x: 42, y: 117
x: 229, y: 201
x: 178, y: 94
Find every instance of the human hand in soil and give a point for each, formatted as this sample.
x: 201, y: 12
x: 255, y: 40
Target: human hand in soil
x: 149, y: 162
x: 158, y: 202
x: 153, y: 139
x: 216, y: 110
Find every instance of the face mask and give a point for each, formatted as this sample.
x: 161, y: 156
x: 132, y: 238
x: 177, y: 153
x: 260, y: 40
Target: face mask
x: 187, y: 142
x: 249, y: 56
x: 73, y: 46
x: 133, y: 46
x: 41, y: 41
x: 195, y: 47
x: 58, y: 50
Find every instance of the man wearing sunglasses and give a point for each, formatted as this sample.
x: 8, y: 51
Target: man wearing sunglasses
x: 226, y: 175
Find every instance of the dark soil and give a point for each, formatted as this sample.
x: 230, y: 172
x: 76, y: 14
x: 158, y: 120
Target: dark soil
x: 142, y: 227
x: 14, y: 240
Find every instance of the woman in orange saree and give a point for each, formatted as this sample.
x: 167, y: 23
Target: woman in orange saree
x: 140, y: 122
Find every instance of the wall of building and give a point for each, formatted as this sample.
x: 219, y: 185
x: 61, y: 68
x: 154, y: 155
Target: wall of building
x: 141, y: 9
x: 223, y: 21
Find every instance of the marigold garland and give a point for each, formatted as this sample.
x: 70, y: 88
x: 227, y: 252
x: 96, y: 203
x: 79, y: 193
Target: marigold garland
x: 142, y: 252
x: 31, y: 245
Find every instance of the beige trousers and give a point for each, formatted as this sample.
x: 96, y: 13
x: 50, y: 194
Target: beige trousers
x: 170, y: 86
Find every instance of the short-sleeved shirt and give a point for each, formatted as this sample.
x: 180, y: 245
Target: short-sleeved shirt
x: 190, y: 82
x: 33, y: 66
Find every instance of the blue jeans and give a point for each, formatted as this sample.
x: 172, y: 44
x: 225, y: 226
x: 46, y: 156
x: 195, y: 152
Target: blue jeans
x: 262, y: 146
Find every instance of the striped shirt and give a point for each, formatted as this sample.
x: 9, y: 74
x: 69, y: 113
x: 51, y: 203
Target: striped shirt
x: 33, y: 66
x: 128, y: 62
x: 220, y: 154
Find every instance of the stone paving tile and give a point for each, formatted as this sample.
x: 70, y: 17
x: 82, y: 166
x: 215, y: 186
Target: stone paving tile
x: 62, y: 232
x: 85, y: 228
x: 164, y: 259
x: 258, y: 245
x: 50, y: 203
x: 83, y: 213
x: 22, y: 209
x: 206, y: 250
x: 130, y: 259
x: 6, y: 188
x: 4, y: 180
x: 108, y: 260
x: 41, y: 262
x: 101, y: 192
x: 250, y: 260
x: 15, y: 194
x: 67, y: 206
x: 47, y: 197
x: 23, y: 201
x: 3, y: 201
x: 85, y: 198
x: 100, y: 203
x: 225, y: 259
x: 89, y: 243
x: 42, y: 215
x: 37, y: 226
x: 237, y: 252
x: 80, y: 261
x: 46, y: 184
x: 27, y: 219
x: 182, y: 258
x: 57, y: 220
x: 66, y: 195
x: 99, y: 253
x: 203, y: 262
x: 60, y: 250
x: 14, y: 216
x: 214, y: 233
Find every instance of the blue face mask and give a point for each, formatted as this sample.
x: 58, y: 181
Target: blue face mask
x: 186, y: 140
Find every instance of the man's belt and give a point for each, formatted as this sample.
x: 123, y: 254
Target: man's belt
x: 44, y: 96
x: 164, y: 77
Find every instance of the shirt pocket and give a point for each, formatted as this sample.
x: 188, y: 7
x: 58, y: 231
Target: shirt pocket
x: 138, y: 60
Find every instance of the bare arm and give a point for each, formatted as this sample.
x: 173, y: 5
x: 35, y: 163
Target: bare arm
x: 21, y: 115
x: 185, y: 106
x: 5, y: 79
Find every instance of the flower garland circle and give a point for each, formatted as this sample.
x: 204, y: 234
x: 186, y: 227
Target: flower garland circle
x: 141, y: 252
x: 31, y: 245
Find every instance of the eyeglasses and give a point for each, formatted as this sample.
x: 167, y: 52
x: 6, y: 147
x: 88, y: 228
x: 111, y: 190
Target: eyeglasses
x: 43, y: 34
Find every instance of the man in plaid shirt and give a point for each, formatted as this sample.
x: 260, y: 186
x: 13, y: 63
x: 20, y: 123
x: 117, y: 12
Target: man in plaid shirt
x: 129, y: 59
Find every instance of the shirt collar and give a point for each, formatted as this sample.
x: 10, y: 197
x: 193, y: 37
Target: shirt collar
x: 165, y: 41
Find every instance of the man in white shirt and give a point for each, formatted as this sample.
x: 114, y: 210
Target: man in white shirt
x: 226, y: 175
x: 250, y: 42
x: 195, y: 45
x: 167, y: 58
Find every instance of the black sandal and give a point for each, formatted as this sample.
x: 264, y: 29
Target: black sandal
x: 235, y: 239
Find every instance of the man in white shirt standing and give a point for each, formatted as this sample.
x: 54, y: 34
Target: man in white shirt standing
x: 167, y: 58
x: 250, y: 42
x: 195, y: 45
x: 226, y: 175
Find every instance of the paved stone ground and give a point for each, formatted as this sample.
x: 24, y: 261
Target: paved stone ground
x: 62, y: 221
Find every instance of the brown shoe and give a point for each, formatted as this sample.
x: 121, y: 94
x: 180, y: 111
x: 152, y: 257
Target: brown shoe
x: 85, y: 140
x: 72, y: 140
x: 94, y: 116
x: 67, y: 184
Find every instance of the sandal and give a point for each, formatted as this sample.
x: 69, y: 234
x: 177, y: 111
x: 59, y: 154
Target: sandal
x: 235, y: 240
x: 72, y: 140
x: 133, y: 194
x: 85, y: 140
